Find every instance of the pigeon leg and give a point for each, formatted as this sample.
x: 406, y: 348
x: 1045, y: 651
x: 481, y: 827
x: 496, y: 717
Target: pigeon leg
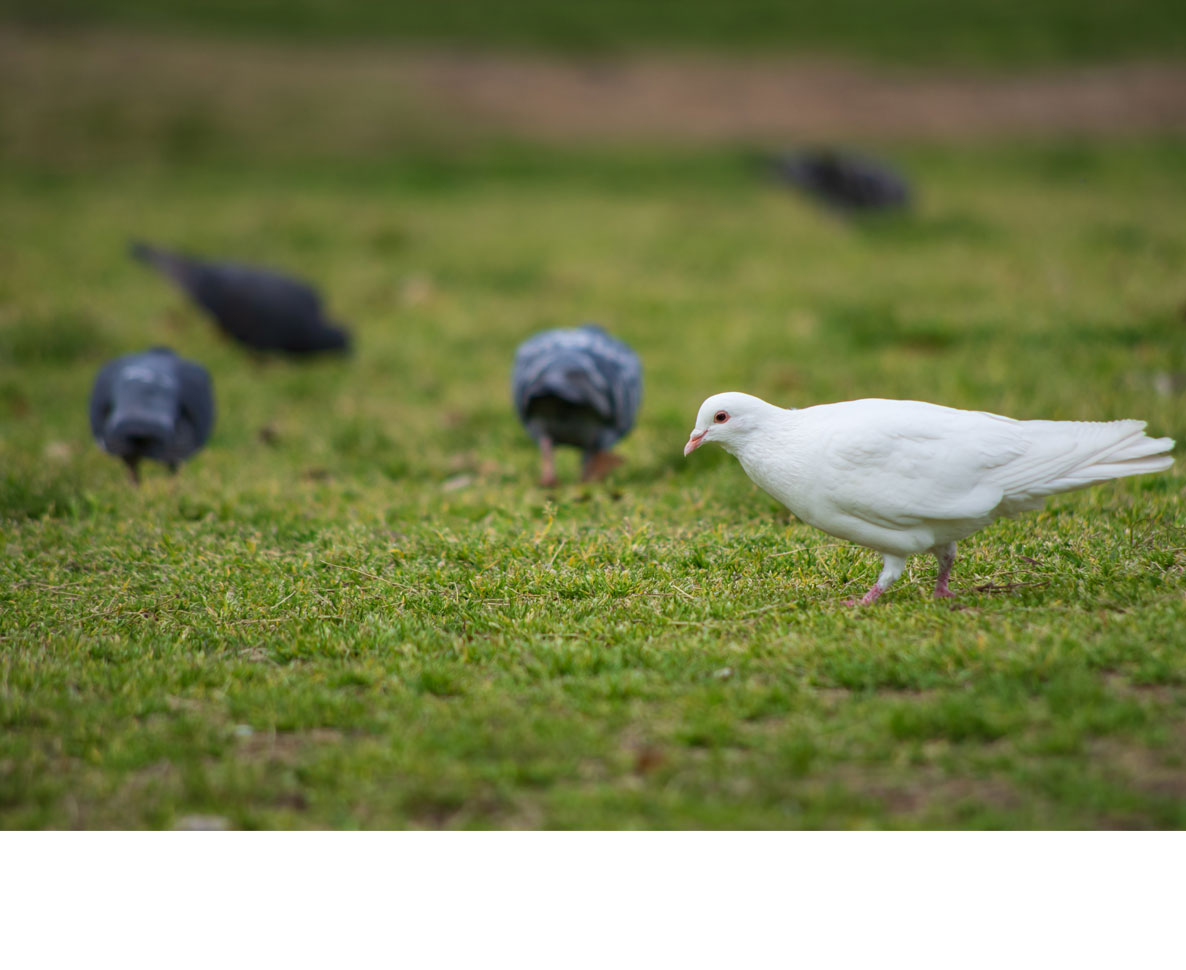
x: 133, y: 463
x: 598, y: 465
x: 946, y: 556
x: 891, y: 569
x: 547, y: 476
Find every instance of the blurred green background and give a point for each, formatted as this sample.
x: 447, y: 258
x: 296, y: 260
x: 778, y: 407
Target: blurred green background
x: 996, y: 32
x: 355, y: 609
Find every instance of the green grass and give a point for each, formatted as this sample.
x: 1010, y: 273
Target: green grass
x: 989, y: 32
x: 379, y: 620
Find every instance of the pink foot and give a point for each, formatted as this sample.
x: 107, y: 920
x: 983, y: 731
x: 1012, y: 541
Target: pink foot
x: 869, y: 597
x: 600, y: 465
x: 942, y: 592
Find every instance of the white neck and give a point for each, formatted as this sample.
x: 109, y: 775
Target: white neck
x: 773, y: 455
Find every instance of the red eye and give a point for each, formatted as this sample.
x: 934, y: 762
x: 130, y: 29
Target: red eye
x: 721, y: 417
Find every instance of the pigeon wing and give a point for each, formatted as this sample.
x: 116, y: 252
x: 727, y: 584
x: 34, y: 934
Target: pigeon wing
x: 263, y: 309
x: 197, y: 398
x: 531, y: 361
x: 621, y: 371
x: 906, y: 466
x: 102, y: 395
x: 899, y: 464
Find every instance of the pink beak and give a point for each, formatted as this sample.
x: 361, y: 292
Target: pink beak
x: 695, y: 441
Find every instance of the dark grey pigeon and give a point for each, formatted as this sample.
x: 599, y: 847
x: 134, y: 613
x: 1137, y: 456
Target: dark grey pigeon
x: 845, y: 181
x: 260, y: 309
x: 152, y: 405
x: 578, y: 387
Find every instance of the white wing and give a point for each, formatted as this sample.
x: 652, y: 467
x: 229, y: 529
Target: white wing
x: 897, y: 464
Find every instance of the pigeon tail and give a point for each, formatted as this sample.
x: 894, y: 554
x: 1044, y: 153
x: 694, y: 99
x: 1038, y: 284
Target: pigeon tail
x: 177, y: 268
x: 147, y: 253
x: 571, y: 383
x: 138, y: 249
x: 141, y: 434
x: 1132, y: 453
x: 1082, y: 454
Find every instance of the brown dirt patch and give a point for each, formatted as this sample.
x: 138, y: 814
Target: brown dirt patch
x: 1140, y: 768
x: 102, y: 94
x: 924, y: 792
x: 720, y: 100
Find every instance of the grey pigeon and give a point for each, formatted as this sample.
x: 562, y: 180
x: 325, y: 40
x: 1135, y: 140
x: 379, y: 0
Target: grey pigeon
x: 577, y: 387
x: 152, y: 405
x: 845, y: 181
x: 259, y: 308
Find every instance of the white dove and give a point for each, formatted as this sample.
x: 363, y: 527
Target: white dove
x: 904, y: 477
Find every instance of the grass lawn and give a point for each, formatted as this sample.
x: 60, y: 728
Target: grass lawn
x: 356, y: 609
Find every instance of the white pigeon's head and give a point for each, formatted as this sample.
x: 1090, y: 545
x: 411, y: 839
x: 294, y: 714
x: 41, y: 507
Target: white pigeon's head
x: 729, y: 419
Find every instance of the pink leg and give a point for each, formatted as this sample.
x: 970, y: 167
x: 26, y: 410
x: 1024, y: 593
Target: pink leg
x: 946, y: 556
x: 891, y: 569
x: 547, y: 476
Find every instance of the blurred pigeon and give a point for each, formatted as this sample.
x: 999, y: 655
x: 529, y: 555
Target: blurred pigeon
x: 577, y: 387
x: 904, y: 477
x: 845, y: 181
x: 152, y: 405
x: 260, y: 309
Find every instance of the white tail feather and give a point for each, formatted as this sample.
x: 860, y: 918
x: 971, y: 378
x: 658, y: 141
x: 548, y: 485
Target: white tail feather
x: 1132, y: 453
